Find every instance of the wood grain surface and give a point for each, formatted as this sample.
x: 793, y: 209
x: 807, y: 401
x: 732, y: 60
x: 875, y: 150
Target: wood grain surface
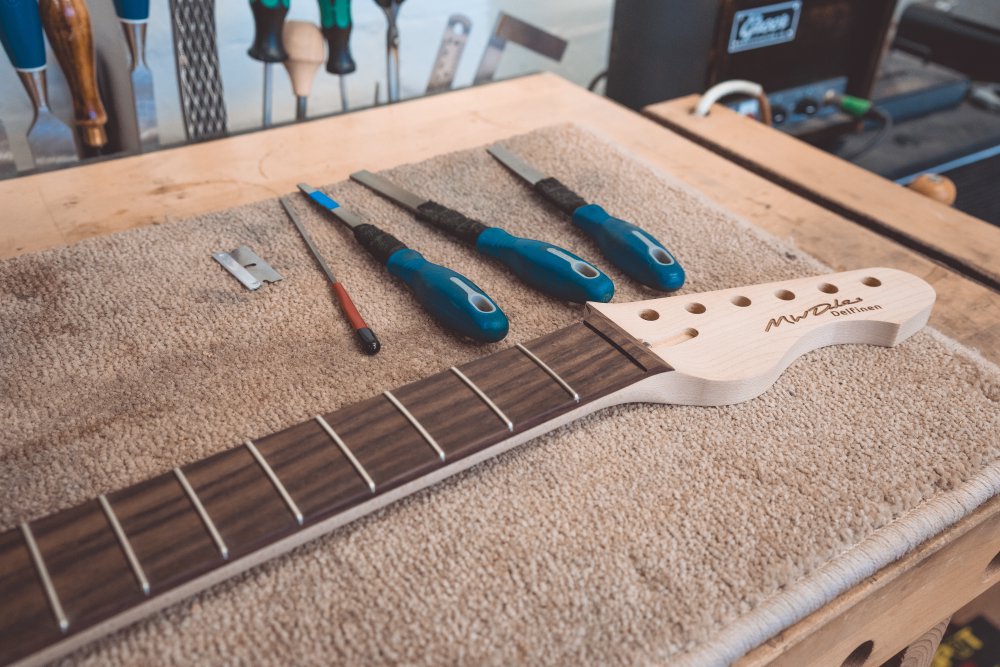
x: 67, y: 25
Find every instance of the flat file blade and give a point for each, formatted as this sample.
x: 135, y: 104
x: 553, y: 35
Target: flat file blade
x: 390, y: 190
x: 516, y: 164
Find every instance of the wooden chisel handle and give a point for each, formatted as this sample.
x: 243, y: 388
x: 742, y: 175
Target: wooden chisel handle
x: 67, y: 24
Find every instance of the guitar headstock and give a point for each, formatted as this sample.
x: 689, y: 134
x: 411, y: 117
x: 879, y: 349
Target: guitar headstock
x: 731, y: 345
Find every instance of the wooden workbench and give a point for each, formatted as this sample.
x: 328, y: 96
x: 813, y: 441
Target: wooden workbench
x: 879, y: 617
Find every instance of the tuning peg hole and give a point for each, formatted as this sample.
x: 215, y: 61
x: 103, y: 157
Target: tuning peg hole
x: 784, y: 295
x: 740, y: 301
x: 695, y: 308
x: 650, y: 315
x: 871, y: 282
x: 827, y: 288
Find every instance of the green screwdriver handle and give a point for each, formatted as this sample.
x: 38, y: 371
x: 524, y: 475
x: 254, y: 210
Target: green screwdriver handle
x: 269, y: 19
x: 335, y: 20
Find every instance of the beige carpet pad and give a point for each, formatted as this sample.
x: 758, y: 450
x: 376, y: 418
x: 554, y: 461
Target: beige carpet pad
x: 642, y: 534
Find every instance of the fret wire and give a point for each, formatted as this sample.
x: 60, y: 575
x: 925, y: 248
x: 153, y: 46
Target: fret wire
x: 43, y: 573
x: 125, y: 544
x: 485, y: 399
x: 555, y: 376
x: 346, y: 452
x: 207, y: 520
x: 417, y: 425
x: 269, y: 471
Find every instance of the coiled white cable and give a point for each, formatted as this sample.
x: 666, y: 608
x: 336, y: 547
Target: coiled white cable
x: 733, y: 87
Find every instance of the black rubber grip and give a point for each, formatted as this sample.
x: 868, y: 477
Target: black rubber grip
x: 339, y: 60
x: 380, y: 244
x: 557, y: 193
x: 451, y: 221
x: 268, y: 21
x: 369, y: 341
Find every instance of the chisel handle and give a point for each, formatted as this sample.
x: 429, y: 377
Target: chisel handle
x: 21, y: 34
x: 67, y: 24
x: 335, y: 21
x: 132, y: 11
x: 451, y: 298
x: 630, y: 248
x: 268, y: 20
x: 304, y: 45
x: 549, y: 269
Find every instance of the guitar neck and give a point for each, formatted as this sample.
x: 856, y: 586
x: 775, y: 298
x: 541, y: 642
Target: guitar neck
x: 70, y: 577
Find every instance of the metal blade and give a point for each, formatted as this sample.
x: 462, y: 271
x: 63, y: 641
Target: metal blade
x: 145, y: 107
x: 51, y: 141
x: 516, y: 164
x: 309, y: 243
x: 389, y: 190
x: 7, y: 166
x: 349, y: 218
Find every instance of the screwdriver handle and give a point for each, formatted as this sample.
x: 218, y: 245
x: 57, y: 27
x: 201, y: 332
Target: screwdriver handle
x: 335, y: 20
x: 67, y: 24
x: 268, y: 19
x: 21, y: 34
x: 451, y: 298
x: 547, y: 268
x: 366, y: 337
x: 304, y: 45
x: 630, y: 248
x: 132, y: 11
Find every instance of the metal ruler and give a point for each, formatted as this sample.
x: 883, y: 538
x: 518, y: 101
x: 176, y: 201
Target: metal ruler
x: 456, y: 33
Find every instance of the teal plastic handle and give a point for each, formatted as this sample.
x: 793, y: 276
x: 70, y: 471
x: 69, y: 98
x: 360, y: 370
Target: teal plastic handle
x: 630, y: 248
x: 547, y: 268
x: 451, y: 298
x: 136, y: 11
x: 21, y: 34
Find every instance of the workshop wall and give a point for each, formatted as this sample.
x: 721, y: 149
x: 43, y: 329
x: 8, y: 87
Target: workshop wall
x: 585, y: 24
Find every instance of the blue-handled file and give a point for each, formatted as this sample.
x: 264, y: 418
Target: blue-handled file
x: 629, y: 247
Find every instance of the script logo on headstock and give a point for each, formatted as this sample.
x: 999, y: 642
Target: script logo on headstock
x: 837, y: 309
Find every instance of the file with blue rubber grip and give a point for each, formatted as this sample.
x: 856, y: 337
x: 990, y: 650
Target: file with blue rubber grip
x: 632, y: 249
x: 453, y: 300
x: 549, y: 269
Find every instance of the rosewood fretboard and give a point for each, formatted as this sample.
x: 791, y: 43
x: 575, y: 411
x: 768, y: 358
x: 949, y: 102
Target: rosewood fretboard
x: 74, y: 575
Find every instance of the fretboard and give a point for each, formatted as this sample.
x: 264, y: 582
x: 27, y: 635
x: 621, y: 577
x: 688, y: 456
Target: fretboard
x: 72, y: 576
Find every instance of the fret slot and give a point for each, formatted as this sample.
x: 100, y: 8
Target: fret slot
x: 346, y: 451
x: 282, y: 491
x: 205, y: 519
x: 140, y: 576
x: 555, y: 376
x: 486, y: 399
x: 416, y: 424
x: 43, y: 574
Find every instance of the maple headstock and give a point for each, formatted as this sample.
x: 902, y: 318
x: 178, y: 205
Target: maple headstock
x: 731, y: 345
